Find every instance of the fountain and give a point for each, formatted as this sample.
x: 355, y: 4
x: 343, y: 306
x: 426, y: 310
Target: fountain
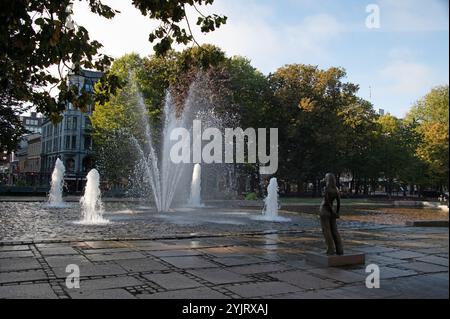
x: 271, y: 204
x: 91, y: 203
x: 195, y: 198
x: 168, y: 181
x: 163, y: 179
x: 55, y: 199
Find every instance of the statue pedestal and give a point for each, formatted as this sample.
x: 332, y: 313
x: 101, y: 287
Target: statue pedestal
x: 335, y: 260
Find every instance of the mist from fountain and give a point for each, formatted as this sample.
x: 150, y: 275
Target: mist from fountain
x: 91, y: 203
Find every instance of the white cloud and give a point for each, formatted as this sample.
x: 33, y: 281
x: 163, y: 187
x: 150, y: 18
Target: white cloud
x: 401, y: 53
x: 414, y: 15
x: 127, y: 32
x: 407, y: 77
x: 253, y: 33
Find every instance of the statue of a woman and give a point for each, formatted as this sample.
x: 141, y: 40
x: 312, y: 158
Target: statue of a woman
x: 328, y: 216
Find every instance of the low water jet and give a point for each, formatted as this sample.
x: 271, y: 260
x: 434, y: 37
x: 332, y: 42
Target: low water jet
x: 196, y: 189
x: 271, y: 204
x: 55, y: 198
x: 91, y: 203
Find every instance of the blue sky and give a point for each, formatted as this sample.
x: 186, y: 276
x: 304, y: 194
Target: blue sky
x: 401, y: 61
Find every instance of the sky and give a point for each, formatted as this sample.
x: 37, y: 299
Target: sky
x: 395, y: 63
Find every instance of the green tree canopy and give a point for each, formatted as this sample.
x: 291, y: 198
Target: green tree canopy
x: 432, y: 115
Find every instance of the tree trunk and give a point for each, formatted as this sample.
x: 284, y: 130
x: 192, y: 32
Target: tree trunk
x: 366, y: 187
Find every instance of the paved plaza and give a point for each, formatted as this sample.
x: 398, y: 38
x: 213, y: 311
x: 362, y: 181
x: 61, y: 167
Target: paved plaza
x: 217, y: 260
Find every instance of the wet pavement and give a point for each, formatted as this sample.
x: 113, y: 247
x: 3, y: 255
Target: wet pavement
x: 210, y: 253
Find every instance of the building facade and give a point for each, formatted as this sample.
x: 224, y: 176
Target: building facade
x: 28, y: 157
x: 71, y: 139
x: 32, y: 123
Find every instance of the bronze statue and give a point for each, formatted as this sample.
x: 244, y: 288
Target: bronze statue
x: 328, y: 216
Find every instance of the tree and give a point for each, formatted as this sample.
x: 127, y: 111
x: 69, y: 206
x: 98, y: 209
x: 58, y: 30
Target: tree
x: 431, y: 115
x: 37, y: 35
x: 308, y: 101
x: 12, y: 129
x: 119, y: 119
x: 358, y: 144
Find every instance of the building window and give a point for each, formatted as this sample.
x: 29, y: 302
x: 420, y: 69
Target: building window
x: 70, y: 165
x: 74, y: 142
x: 88, y: 87
x: 67, y: 142
x: 87, y: 142
x: 71, y: 123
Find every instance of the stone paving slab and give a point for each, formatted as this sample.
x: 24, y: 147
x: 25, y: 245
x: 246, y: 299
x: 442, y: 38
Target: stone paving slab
x: 383, y: 260
x: 175, y: 253
x: 435, y: 260
x: 63, y: 261
x: 14, y: 247
x: 257, y: 269
x: 374, y: 249
x: 173, y: 281
x: 108, y: 283
x: 189, y: 262
x: 101, y: 294
x: 219, y: 276
x: 105, y: 244
x: 16, y: 254
x: 15, y: 277
x: 115, y: 256
x: 263, y: 289
x: 242, y: 260
x: 89, y: 270
x: 141, y: 265
x: 191, y: 294
x: 14, y: 264
x: 403, y: 254
x: 392, y: 272
x: 106, y: 251
x: 32, y: 291
x: 304, y: 280
x: 341, y: 275
x: 429, y: 286
x: 55, y: 251
x: 424, y: 267
x: 360, y: 291
x: 218, y: 251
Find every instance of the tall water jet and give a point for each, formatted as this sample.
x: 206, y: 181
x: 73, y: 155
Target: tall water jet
x: 55, y: 199
x: 168, y: 180
x: 91, y: 203
x: 271, y: 204
x: 196, y: 188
